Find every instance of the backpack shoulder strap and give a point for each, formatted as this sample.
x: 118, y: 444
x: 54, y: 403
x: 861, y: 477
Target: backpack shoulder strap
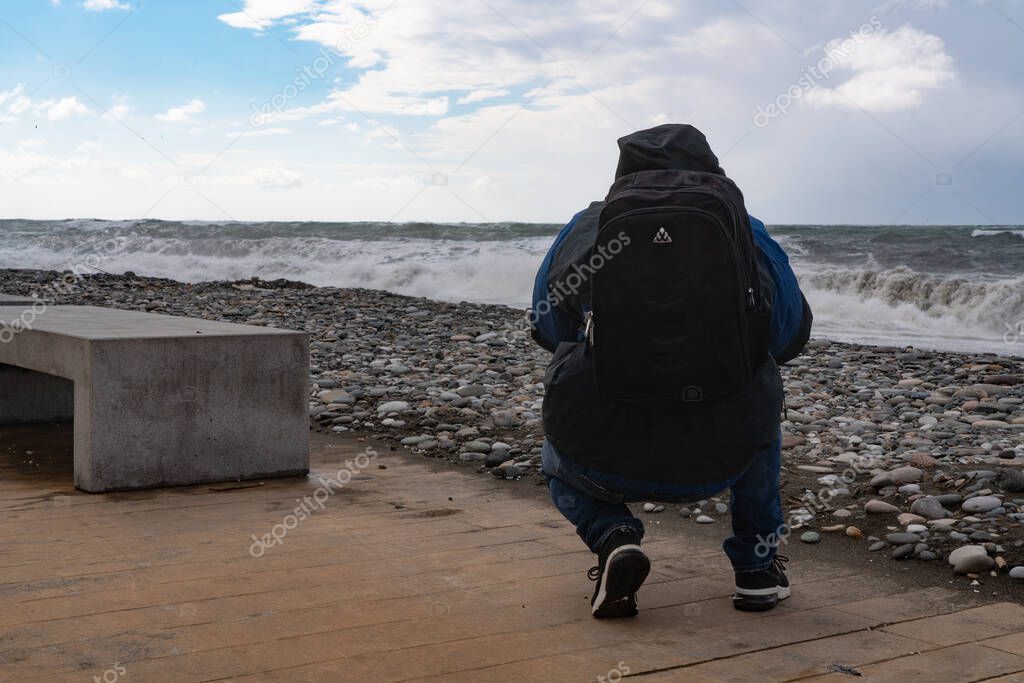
x: 570, y: 290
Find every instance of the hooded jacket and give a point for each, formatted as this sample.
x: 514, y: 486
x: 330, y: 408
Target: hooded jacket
x: 674, y: 449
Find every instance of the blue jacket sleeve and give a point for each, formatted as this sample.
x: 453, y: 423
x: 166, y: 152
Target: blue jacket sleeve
x: 549, y: 323
x: 790, y: 325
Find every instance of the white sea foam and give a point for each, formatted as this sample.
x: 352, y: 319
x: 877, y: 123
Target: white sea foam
x: 869, y: 303
x: 989, y: 232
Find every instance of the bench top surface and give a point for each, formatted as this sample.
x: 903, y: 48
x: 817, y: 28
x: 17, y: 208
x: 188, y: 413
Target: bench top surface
x: 93, y: 322
x: 14, y: 299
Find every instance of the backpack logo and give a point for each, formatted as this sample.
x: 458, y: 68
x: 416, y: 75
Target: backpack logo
x: 662, y: 237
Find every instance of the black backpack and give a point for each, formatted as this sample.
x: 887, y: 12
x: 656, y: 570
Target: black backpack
x: 677, y: 313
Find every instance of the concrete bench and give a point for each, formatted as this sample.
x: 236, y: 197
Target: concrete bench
x: 15, y: 300
x: 158, y: 400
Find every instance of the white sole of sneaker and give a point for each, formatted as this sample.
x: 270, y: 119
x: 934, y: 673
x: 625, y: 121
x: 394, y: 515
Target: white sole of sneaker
x: 781, y: 592
x: 602, y: 591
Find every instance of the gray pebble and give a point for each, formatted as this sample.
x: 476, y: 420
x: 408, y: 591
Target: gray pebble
x: 980, y: 504
x: 972, y: 564
x: 902, y: 552
x: 902, y: 538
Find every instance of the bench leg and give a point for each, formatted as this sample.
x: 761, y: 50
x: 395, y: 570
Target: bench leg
x: 172, y: 412
x: 29, y: 396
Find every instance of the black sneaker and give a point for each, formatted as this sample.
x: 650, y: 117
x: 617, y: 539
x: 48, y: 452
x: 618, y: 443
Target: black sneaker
x: 761, y: 590
x: 621, y: 570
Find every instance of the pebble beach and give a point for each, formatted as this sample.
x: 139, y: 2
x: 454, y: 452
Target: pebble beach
x: 914, y: 454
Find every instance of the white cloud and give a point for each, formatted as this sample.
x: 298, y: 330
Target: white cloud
x: 260, y: 14
x: 484, y: 94
x: 64, y: 108
x: 118, y: 111
x: 31, y: 143
x: 892, y: 71
x: 182, y: 114
x: 258, y: 132
x: 277, y: 178
x: 469, y: 94
x: 405, y: 66
x: 103, y: 5
x: 13, y: 102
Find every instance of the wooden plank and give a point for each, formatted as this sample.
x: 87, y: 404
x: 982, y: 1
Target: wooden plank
x: 966, y: 662
x: 162, y: 582
x: 853, y: 650
x: 964, y: 626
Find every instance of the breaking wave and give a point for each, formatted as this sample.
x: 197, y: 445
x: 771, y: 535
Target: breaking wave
x: 948, y: 287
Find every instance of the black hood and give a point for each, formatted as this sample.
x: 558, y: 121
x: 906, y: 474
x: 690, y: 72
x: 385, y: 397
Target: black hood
x: 672, y: 146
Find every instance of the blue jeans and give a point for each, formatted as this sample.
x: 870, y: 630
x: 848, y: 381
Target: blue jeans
x: 596, y: 504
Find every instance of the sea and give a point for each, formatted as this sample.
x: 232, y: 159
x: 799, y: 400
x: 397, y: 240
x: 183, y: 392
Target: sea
x: 953, y: 288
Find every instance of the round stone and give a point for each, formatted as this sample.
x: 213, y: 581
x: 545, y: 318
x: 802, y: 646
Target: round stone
x: 928, y: 507
x: 1017, y: 573
x: 907, y: 518
x: 901, y: 475
x: 704, y: 519
x: 902, y: 538
x: 966, y: 551
x: 470, y: 390
x: 980, y: 504
x: 972, y: 564
x: 903, y: 552
x: 810, y: 537
x: 879, y: 507
x: 392, y: 407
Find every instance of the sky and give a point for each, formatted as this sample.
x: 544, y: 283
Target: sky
x: 832, y: 111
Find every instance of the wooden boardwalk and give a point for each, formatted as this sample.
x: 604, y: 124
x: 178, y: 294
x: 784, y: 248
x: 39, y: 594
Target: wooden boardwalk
x: 420, y: 572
